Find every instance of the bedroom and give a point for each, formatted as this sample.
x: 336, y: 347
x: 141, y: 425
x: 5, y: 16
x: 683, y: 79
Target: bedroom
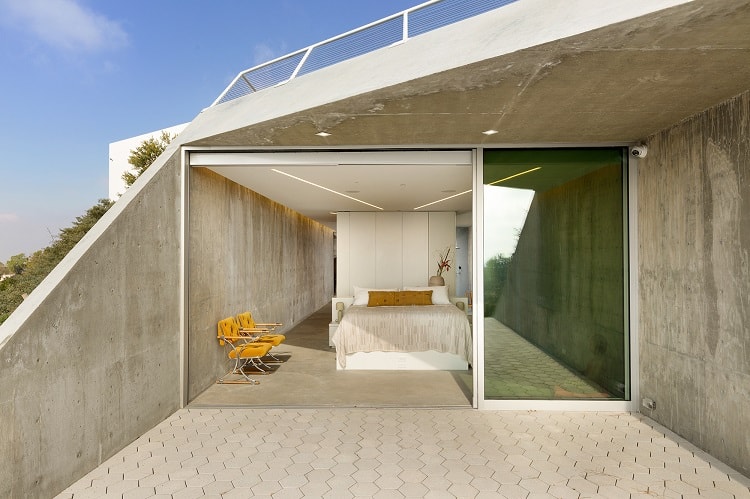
x: 393, y: 174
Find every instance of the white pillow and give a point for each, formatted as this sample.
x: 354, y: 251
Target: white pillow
x: 362, y: 296
x: 439, y: 294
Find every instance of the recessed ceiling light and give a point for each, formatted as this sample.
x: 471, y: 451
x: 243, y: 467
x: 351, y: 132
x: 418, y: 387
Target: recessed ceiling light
x: 490, y: 132
x: 323, y: 134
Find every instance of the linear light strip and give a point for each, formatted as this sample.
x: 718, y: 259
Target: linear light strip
x: 441, y: 200
x: 514, y: 176
x: 326, y: 189
x: 466, y: 192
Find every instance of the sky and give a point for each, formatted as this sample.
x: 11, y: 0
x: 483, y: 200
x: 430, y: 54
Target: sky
x: 76, y: 75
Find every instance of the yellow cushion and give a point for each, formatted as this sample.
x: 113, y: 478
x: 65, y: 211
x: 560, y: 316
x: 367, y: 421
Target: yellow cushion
x: 227, y: 327
x: 273, y: 339
x: 407, y: 298
x: 246, y: 320
x: 381, y: 298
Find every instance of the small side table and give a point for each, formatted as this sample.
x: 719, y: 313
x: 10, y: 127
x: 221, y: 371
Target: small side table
x: 332, y: 329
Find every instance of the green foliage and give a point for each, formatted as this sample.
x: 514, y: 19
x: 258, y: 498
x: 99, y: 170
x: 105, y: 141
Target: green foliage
x: 16, y: 264
x: 495, y: 277
x: 36, y: 267
x: 144, y: 156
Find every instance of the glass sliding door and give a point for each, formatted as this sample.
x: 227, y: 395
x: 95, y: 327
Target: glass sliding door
x: 555, y: 267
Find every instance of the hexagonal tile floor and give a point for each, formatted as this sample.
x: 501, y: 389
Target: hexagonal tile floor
x: 393, y: 453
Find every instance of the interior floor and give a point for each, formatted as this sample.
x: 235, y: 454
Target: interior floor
x: 308, y: 378
x: 514, y: 369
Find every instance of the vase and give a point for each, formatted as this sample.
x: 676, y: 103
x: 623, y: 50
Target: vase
x: 437, y: 280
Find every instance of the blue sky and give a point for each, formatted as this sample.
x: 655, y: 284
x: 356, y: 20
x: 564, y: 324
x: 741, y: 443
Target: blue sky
x: 76, y: 75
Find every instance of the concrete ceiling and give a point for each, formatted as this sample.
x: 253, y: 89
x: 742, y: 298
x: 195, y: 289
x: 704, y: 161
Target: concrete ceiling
x: 616, y: 84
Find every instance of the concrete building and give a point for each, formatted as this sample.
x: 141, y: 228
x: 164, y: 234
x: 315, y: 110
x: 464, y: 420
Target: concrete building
x: 629, y: 122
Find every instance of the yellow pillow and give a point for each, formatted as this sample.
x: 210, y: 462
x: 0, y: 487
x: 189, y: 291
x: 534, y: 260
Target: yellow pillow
x: 405, y: 298
x: 381, y: 298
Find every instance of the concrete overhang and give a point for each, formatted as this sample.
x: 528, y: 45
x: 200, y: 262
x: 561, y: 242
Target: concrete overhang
x: 540, y: 73
x: 583, y: 71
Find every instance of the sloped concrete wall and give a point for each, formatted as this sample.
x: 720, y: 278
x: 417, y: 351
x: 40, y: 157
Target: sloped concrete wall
x: 94, y: 363
x: 694, y: 231
x: 248, y: 253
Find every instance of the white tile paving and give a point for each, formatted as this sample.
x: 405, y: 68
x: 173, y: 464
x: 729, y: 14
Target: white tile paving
x: 419, y: 453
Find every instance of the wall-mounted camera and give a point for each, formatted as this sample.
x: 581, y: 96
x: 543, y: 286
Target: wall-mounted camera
x: 639, y: 151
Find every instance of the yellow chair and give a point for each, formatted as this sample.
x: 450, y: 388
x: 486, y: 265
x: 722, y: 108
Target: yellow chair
x: 242, y: 350
x: 261, y: 331
x: 247, y: 322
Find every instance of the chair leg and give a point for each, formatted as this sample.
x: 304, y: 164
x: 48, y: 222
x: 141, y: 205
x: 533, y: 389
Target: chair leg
x: 238, y: 369
x: 261, y: 366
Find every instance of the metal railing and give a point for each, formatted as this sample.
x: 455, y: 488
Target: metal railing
x: 388, y: 31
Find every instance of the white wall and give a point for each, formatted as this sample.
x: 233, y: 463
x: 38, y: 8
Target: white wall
x: 120, y: 151
x: 392, y: 249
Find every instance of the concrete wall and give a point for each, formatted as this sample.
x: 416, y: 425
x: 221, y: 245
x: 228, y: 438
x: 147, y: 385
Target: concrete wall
x: 89, y: 362
x: 564, y: 291
x: 248, y: 253
x: 694, y: 233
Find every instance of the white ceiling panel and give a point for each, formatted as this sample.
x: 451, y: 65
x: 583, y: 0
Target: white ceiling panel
x: 320, y: 184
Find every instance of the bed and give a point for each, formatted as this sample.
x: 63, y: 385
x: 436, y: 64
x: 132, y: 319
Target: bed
x: 403, y: 337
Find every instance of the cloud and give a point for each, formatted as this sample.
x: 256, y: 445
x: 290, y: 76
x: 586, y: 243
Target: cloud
x: 8, y: 217
x: 65, y: 24
x: 263, y: 53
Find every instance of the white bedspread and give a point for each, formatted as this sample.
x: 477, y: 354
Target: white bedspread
x: 442, y: 328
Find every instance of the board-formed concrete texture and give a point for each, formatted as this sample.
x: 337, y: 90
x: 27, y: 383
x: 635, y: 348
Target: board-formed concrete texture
x: 94, y: 363
x: 694, y: 279
x: 248, y: 253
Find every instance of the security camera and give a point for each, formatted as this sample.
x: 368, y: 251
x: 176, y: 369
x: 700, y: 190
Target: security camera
x: 639, y: 151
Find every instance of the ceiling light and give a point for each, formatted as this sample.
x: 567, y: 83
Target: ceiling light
x: 326, y: 189
x: 323, y: 134
x: 490, y: 132
x: 514, y: 176
x: 441, y: 200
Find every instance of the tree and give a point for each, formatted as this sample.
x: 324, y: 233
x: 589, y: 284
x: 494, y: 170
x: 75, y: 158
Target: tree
x: 144, y: 156
x: 36, y: 267
x: 495, y: 276
x: 17, y: 263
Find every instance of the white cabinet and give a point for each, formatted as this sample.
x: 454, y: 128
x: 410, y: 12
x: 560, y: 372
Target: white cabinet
x: 415, y: 249
x: 391, y: 249
x: 362, y: 240
x: 389, y: 239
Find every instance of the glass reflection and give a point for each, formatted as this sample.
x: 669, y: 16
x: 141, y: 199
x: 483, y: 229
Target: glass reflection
x: 554, y: 274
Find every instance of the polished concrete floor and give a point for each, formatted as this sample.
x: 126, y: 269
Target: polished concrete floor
x: 309, y: 431
x: 308, y: 378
